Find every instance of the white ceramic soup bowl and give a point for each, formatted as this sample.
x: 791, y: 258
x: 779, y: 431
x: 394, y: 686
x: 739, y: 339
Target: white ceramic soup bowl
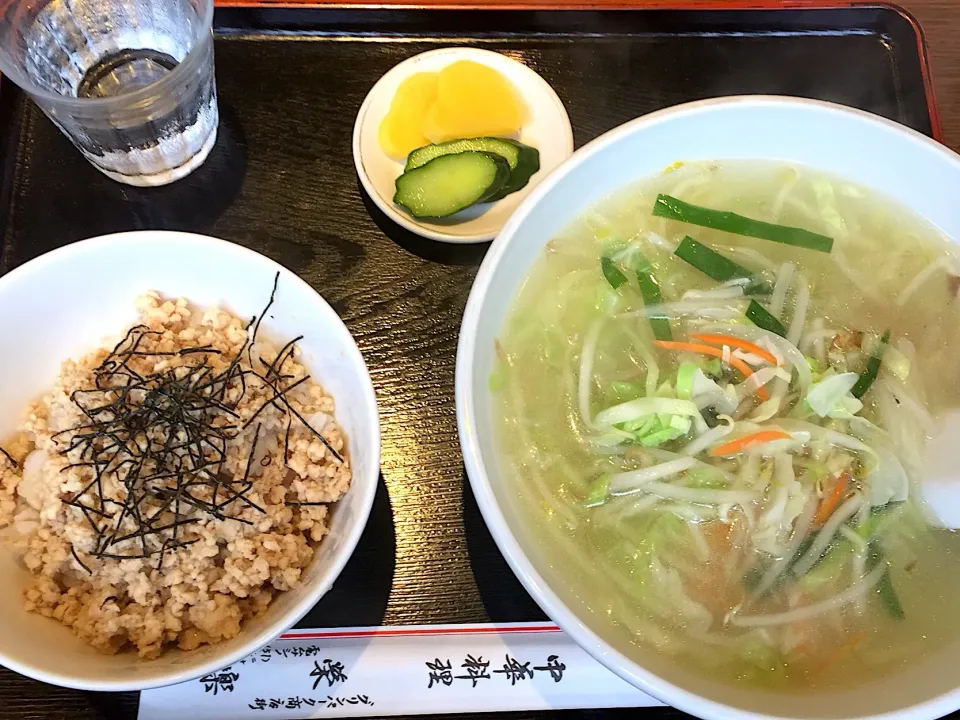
x: 70, y: 301
x: 861, y: 147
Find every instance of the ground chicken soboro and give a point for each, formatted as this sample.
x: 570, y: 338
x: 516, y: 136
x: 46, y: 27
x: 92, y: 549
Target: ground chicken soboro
x: 222, y: 554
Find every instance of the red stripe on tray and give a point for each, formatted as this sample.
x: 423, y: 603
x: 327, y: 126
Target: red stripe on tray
x: 419, y: 632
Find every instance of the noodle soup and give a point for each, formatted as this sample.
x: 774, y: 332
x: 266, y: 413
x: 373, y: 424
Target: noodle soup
x: 715, y: 389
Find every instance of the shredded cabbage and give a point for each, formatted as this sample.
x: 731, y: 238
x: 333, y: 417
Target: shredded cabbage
x: 896, y: 362
x: 641, y: 407
x: 816, y: 369
x: 660, y: 436
x: 608, y: 299
x: 498, y: 377
x: 685, y: 379
x: 611, y: 438
x: 827, y: 205
x: 888, y: 482
x: 675, y: 599
x: 707, y: 393
x: 831, y: 396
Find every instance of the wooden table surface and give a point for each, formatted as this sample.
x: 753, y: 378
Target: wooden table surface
x: 940, y: 20
x: 25, y: 699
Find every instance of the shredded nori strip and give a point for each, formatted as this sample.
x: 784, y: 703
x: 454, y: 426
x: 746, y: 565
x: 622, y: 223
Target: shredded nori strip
x: 273, y: 400
x: 307, y: 425
x: 256, y: 328
x: 80, y: 562
x: 9, y: 457
x: 163, y: 438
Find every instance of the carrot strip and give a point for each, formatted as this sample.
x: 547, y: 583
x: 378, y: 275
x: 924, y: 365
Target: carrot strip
x: 831, y: 501
x: 742, y: 443
x: 738, y: 343
x: 736, y: 363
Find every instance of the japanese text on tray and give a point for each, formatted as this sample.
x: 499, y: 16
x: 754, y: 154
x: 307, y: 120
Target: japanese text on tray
x: 474, y: 669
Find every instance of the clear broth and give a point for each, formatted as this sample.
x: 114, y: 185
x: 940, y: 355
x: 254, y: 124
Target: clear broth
x: 879, y: 248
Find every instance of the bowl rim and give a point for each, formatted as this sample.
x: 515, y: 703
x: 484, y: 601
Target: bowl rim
x: 366, y: 485
x: 615, y: 661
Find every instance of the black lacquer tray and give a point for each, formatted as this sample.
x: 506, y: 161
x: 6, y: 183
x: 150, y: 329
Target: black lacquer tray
x: 281, y: 180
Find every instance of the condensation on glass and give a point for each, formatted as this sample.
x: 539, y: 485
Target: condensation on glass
x: 130, y: 82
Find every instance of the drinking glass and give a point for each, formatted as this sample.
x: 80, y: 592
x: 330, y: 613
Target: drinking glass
x: 129, y: 82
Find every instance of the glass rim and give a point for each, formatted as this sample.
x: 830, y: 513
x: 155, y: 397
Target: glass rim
x: 116, y: 101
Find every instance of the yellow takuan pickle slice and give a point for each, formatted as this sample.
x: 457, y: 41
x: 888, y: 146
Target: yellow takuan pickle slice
x: 473, y: 100
x: 402, y: 129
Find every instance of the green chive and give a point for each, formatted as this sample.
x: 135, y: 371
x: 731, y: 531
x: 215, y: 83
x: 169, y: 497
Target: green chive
x: 674, y: 209
x: 612, y: 273
x: 888, y: 595
x: 763, y: 318
x: 650, y: 290
x: 716, y: 266
x: 873, y: 367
